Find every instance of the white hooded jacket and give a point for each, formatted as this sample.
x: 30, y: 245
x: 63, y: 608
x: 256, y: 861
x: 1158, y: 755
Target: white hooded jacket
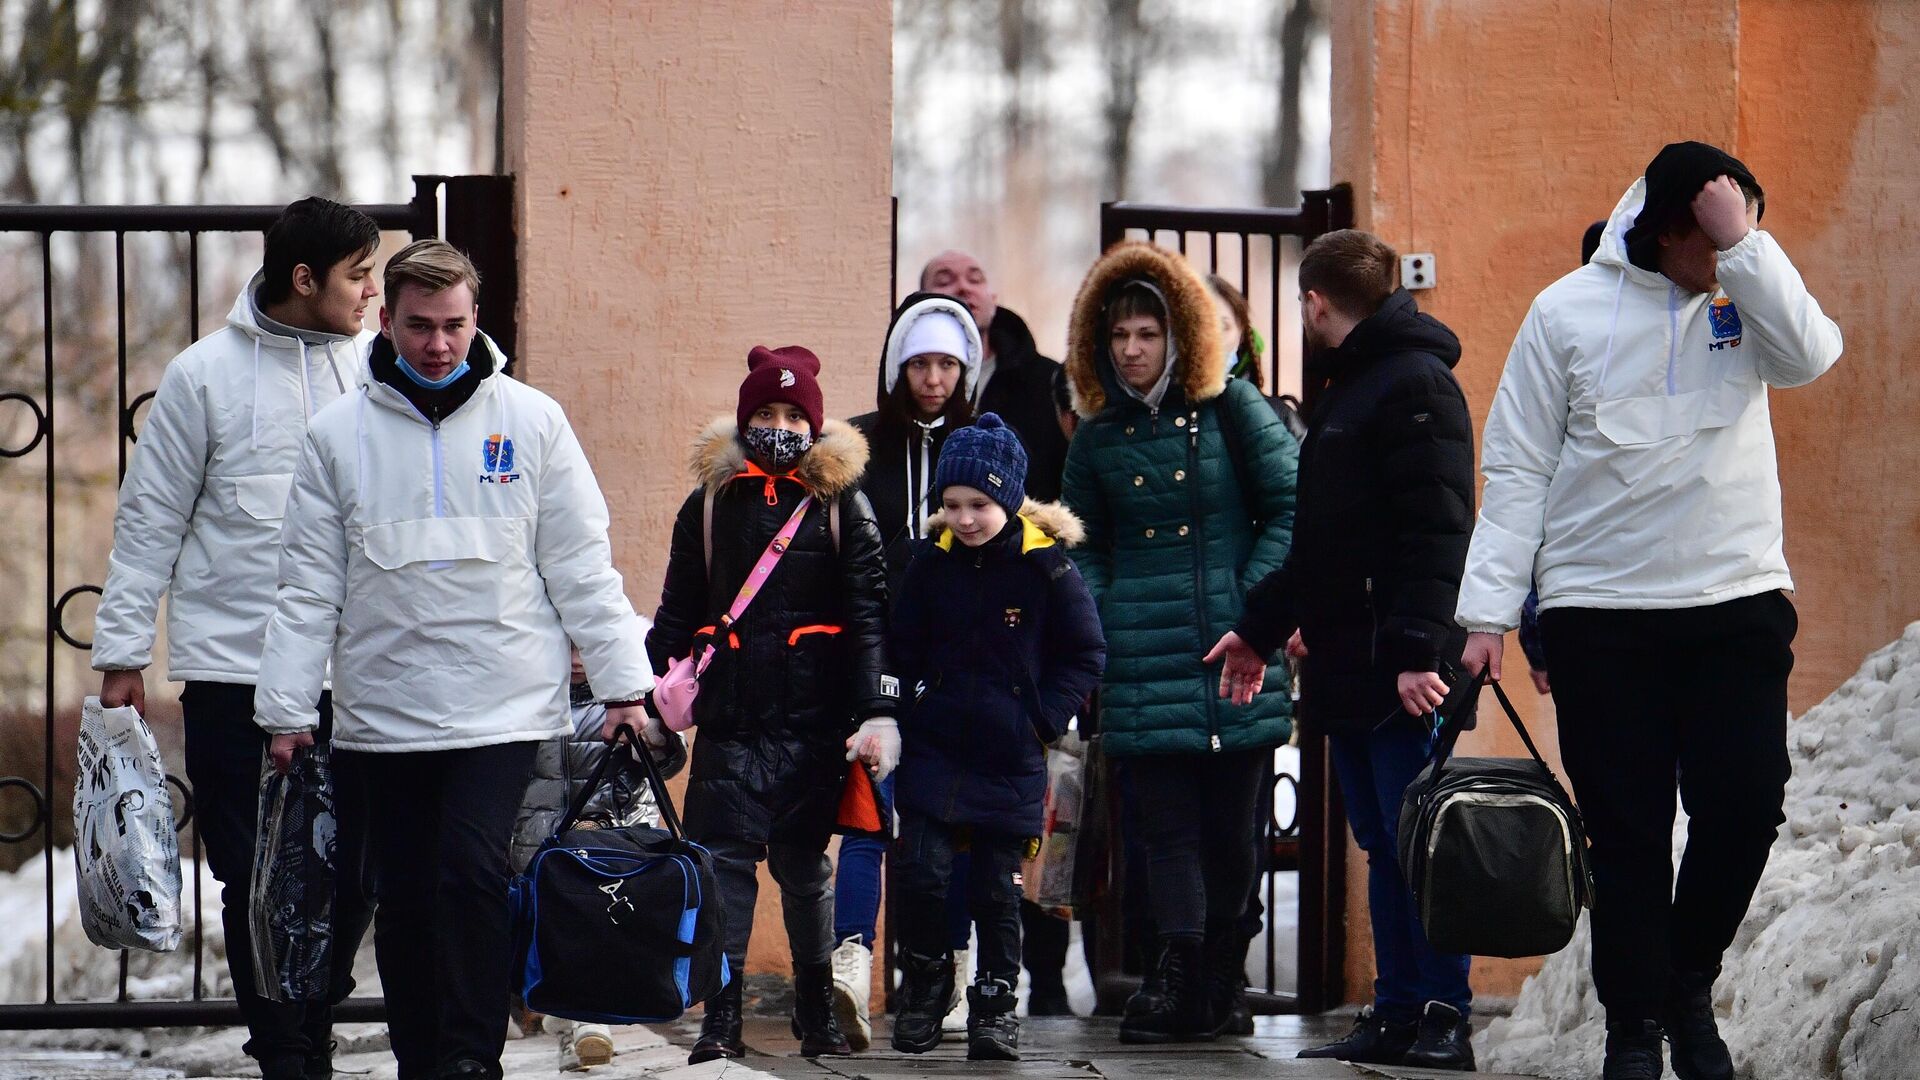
x: 1629, y: 456
x: 443, y: 569
x: 200, y: 509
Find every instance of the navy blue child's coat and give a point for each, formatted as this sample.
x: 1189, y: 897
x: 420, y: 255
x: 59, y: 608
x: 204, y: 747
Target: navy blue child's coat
x: 997, y: 647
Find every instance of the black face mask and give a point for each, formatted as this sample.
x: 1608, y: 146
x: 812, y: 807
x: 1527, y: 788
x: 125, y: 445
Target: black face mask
x: 777, y: 450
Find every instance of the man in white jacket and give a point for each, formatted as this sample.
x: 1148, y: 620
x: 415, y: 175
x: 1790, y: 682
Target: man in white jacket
x: 1629, y: 464
x: 444, y: 540
x: 199, y: 522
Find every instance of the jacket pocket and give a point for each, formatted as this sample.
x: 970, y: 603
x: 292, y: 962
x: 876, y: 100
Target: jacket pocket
x: 1639, y: 421
x: 393, y: 544
x: 263, y: 497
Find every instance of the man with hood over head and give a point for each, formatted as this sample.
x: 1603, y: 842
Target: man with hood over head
x: 1630, y: 469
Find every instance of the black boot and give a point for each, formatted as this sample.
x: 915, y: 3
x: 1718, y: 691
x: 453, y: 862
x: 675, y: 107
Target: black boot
x: 318, y: 1064
x: 993, y: 1033
x: 813, y: 1021
x: 720, y: 1031
x: 926, y: 983
x: 1171, y: 1005
x: 1226, y: 981
x: 1698, y: 1051
x: 1633, y: 1051
x: 1374, y: 1040
x: 284, y: 1067
x: 1443, y: 1041
x: 1048, y: 1001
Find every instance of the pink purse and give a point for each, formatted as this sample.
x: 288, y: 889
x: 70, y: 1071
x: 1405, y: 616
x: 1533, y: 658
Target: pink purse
x: 674, y: 692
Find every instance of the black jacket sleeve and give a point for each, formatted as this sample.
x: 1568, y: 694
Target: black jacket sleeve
x: 1076, y: 653
x: 1423, y: 437
x: 863, y: 581
x: 1268, y: 618
x: 683, y: 599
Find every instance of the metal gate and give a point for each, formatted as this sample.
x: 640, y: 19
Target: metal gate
x: 476, y: 215
x: 1258, y: 249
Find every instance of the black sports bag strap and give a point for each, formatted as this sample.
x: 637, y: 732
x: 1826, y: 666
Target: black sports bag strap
x: 1451, y: 733
x: 1507, y: 704
x: 624, y: 734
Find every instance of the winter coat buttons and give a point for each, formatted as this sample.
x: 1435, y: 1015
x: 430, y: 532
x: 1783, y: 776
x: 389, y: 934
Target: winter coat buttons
x: 1179, y: 474
x: 1129, y: 429
x: 1138, y: 480
x: 1183, y: 530
x: 1179, y: 421
x: 1149, y: 534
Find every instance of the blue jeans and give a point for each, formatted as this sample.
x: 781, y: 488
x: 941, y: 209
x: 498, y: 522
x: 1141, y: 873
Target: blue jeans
x: 1374, y: 771
x: 856, y: 890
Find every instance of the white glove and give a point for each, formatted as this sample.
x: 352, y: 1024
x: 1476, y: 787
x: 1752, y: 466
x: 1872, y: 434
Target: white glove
x: 878, y: 744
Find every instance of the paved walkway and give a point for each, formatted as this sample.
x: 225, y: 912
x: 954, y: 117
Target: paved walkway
x: 1052, y: 1048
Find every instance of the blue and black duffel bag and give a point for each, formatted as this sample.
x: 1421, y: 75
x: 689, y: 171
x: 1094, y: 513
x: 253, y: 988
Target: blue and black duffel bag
x: 618, y: 925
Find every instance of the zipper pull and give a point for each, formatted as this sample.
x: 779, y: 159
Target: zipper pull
x: 1216, y: 743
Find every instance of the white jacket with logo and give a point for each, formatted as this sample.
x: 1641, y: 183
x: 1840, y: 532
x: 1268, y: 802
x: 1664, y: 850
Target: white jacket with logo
x: 199, y: 514
x: 443, y: 570
x: 1629, y: 455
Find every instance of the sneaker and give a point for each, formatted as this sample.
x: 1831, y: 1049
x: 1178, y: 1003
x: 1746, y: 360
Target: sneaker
x: 993, y: 1032
x: 583, y: 1046
x: 1633, y: 1051
x: 1374, y: 1040
x: 852, y: 989
x: 955, y: 1018
x: 1443, y: 1041
x: 1698, y: 1051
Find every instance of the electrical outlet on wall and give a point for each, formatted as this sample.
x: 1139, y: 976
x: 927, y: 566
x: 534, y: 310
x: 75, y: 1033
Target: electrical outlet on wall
x: 1417, y: 271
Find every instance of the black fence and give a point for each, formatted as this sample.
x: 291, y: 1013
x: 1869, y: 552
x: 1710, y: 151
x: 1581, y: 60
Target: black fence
x: 1255, y: 249
x: 476, y: 215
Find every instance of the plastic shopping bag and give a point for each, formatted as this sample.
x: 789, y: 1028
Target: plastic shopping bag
x: 291, y: 908
x: 1049, y: 875
x: 123, y: 839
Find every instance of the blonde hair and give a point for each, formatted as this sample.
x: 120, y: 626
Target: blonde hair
x: 432, y: 264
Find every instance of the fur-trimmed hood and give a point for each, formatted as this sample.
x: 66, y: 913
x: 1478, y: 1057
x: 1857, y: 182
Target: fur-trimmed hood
x: 1045, y: 524
x: 1200, y: 368
x: 834, y: 464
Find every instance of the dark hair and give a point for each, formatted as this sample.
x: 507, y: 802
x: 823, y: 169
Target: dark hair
x: 898, y: 406
x: 1590, y: 243
x: 1062, y: 395
x: 1133, y: 300
x: 318, y: 233
x: 1248, y: 354
x: 1351, y: 268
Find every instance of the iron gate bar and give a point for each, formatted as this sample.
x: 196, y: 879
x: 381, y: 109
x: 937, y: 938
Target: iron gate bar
x: 420, y: 218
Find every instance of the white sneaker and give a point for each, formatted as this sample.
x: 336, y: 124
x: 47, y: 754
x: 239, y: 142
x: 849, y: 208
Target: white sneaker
x: 956, y: 1019
x: 583, y: 1046
x: 852, y: 989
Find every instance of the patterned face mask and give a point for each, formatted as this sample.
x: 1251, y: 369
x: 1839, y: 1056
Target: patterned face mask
x: 776, y: 449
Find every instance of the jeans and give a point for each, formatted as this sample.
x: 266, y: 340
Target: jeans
x: 927, y: 873
x: 442, y: 931
x: 224, y: 751
x: 1196, y: 823
x: 1374, y: 770
x: 1645, y: 697
x: 805, y: 877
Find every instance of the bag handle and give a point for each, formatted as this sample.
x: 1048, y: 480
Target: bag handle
x: 625, y: 736
x: 1444, y: 748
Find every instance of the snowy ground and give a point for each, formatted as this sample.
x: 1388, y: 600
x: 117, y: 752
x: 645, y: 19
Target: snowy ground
x: 1823, y: 979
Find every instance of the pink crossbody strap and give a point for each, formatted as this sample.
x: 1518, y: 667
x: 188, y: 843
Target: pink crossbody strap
x: 750, y: 588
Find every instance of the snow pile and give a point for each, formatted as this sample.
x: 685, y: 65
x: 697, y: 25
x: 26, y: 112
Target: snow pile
x: 1823, y: 979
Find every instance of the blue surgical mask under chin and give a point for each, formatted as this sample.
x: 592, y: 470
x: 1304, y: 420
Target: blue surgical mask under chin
x: 430, y: 384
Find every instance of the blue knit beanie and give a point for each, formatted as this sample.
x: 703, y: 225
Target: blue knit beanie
x: 987, y: 456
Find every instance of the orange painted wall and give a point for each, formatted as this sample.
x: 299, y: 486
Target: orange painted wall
x: 693, y: 180
x: 1493, y: 133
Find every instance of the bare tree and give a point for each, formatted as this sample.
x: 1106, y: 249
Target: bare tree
x: 1125, y: 42
x: 1302, y: 21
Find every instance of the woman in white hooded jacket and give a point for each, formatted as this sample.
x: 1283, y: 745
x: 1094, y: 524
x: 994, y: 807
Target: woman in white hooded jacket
x: 444, y: 540
x: 1629, y: 463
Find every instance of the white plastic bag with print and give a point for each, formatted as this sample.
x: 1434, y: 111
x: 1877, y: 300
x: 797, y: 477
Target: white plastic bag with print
x: 123, y: 838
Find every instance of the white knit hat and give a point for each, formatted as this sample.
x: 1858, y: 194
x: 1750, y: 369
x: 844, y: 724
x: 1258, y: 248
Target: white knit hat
x: 937, y: 326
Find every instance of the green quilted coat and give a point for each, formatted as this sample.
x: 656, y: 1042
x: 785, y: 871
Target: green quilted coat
x: 1175, y: 534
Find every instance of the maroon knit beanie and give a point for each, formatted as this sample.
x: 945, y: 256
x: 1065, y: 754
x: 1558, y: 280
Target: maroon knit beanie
x: 789, y: 375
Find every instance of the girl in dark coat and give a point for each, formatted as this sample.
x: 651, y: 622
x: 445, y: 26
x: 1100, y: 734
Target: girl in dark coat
x: 791, y: 680
x: 1000, y: 643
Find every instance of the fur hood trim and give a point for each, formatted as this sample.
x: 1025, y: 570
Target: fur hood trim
x: 1051, y: 520
x: 833, y: 465
x: 1200, y: 368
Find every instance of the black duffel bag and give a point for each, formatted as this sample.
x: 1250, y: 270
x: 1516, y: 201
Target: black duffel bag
x: 1493, y: 849
x: 620, y: 925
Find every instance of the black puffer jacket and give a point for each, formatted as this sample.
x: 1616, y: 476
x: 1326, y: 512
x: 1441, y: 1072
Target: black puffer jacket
x: 786, y: 687
x: 1021, y: 391
x: 1381, y: 529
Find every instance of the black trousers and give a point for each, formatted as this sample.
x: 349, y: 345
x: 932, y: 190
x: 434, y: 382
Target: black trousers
x: 1645, y: 696
x: 224, y: 752
x: 1197, y: 826
x: 443, y: 820
x: 923, y: 872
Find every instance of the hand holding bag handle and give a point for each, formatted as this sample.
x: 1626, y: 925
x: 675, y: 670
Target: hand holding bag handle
x: 1450, y: 733
x: 625, y: 736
